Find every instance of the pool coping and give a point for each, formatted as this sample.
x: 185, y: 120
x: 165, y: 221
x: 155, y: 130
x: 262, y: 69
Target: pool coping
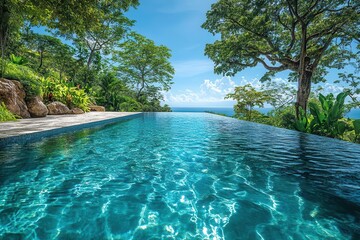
x: 34, y: 129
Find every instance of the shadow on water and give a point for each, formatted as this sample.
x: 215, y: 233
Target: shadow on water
x: 326, y: 170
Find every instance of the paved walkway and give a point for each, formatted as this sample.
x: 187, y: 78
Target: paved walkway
x: 56, y: 122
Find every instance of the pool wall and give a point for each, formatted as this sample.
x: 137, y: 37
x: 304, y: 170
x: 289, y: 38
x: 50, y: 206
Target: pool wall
x: 35, y: 136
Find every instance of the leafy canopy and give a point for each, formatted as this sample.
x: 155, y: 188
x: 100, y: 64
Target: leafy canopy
x: 246, y: 99
x: 281, y: 34
x: 303, y: 36
x: 72, y: 16
x: 144, y: 65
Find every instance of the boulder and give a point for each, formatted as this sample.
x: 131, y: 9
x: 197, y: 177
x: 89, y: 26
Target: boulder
x: 36, y: 107
x: 57, y: 108
x: 76, y: 111
x: 13, y: 95
x: 96, y: 108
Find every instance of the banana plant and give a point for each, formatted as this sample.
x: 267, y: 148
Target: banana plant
x: 327, y: 117
x: 302, y: 123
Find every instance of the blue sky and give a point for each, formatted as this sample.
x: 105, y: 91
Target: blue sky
x: 177, y: 25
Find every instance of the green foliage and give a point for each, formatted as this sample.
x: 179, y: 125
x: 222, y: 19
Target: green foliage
x: 128, y: 104
x: 155, y: 107
x: 302, y: 122
x: 325, y: 116
x: 353, y: 82
x: 328, y: 117
x: 305, y: 37
x: 356, y: 124
x: 26, y: 76
x: 48, y: 52
x: 283, y: 117
x: 18, y: 60
x: 5, y: 114
x: 246, y: 99
x: 144, y: 65
x: 65, y: 92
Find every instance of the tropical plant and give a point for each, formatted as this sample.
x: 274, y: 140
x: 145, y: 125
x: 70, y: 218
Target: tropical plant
x: 302, y: 122
x: 283, y: 117
x: 327, y: 118
x: 18, y: 60
x: 5, y: 114
x: 129, y: 104
x: 65, y: 92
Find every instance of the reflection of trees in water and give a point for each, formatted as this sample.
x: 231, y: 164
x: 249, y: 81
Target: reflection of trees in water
x: 321, y: 167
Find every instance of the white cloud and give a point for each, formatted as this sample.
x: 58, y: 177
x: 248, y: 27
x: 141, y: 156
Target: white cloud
x: 332, y: 88
x: 209, y: 92
x: 219, y: 87
x: 212, y: 92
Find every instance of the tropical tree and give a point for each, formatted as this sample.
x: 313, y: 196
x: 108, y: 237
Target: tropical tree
x: 112, y: 92
x: 42, y: 46
x: 102, y: 39
x: 246, y: 99
x: 144, y: 65
x: 74, y: 17
x: 302, y: 36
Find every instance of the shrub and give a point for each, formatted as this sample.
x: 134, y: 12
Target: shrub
x: 5, y: 114
x: 65, y: 92
x: 25, y: 75
x: 18, y: 60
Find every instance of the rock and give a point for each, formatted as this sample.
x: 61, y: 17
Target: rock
x: 76, y: 111
x: 57, y: 108
x: 36, y: 107
x: 13, y: 95
x: 96, y: 108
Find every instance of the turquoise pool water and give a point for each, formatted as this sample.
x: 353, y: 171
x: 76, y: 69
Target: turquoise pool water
x: 181, y: 176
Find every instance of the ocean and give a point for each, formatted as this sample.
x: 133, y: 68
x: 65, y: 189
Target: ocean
x: 354, y: 114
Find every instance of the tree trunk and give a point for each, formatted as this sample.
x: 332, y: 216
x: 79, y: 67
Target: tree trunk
x: 41, y: 59
x: 4, y: 30
x: 140, y: 91
x: 303, y: 93
x: 88, y: 64
x: 142, y: 87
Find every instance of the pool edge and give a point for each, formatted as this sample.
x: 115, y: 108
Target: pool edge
x: 35, y: 136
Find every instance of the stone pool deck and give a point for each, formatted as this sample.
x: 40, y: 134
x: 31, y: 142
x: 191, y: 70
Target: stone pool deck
x: 53, y: 124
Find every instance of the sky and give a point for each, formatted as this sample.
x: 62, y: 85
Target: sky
x: 177, y: 25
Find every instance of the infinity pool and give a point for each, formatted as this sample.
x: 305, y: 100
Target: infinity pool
x: 181, y: 176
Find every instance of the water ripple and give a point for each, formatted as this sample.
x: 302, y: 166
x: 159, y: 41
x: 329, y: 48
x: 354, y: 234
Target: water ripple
x: 181, y: 176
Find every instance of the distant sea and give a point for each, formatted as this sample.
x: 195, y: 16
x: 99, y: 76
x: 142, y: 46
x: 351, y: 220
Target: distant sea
x: 354, y: 114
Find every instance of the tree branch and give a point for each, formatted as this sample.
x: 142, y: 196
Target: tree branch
x: 271, y: 68
x: 251, y: 30
x: 323, y: 49
x: 310, y: 9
